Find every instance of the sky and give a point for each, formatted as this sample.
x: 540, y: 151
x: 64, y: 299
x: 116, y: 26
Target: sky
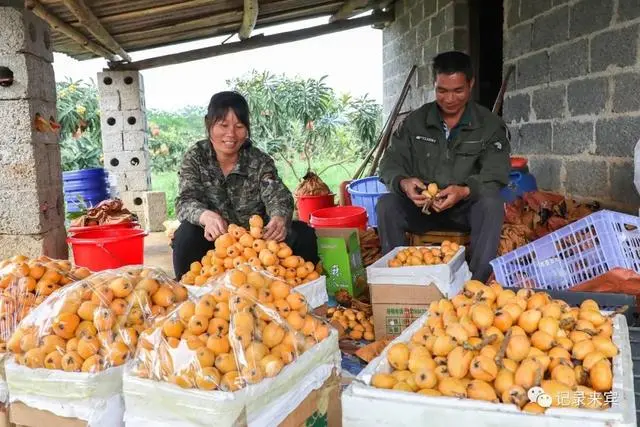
x: 352, y: 61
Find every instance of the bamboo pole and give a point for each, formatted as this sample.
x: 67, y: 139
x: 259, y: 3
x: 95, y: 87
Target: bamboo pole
x: 253, y: 43
x: 249, y: 19
x: 58, y: 25
x: 394, y: 114
x: 89, y: 21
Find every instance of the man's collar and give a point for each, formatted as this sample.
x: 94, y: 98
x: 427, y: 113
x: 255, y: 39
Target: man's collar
x: 469, y: 116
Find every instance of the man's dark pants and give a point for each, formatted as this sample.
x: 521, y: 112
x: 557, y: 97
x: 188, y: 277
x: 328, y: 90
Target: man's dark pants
x: 398, y: 215
x: 189, y: 244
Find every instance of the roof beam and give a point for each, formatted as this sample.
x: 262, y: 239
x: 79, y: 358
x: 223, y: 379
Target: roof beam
x: 249, y: 19
x: 91, y: 23
x: 58, y: 25
x: 254, y: 42
x: 347, y: 9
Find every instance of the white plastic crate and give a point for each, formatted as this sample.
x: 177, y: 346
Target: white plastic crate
x: 364, y: 406
x: 573, y: 254
x: 442, y: 275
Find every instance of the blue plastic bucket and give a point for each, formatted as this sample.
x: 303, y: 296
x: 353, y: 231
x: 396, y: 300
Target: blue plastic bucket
x: 519, y: 183
x: 365, y: 193
x: 88, y: 185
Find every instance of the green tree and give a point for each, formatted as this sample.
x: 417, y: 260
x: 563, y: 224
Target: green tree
x: 79, y: 118
x: 296, y: 118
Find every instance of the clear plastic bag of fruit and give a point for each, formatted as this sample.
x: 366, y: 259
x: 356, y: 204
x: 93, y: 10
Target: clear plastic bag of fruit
x: 25, y: 283
x: 73, y: 345
x: 244, y: 338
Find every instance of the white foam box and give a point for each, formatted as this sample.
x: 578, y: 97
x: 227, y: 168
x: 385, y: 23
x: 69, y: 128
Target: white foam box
x: 442, y: 275
x: 364, y: 405
x: 94, y: 400
x: 265, y: 404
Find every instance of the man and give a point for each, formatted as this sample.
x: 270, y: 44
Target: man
x: 461, y: 146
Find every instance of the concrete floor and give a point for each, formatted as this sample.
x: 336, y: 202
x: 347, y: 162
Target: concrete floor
x: 157, y: 252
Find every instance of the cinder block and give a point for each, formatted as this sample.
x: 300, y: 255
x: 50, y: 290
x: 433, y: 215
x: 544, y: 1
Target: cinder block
x: 150, y: 206
x: 132, y: 100
x: 127, y: 161
x: 135, y: 140
x: 31, y: 211
x: 52, y: 244
x: 133, y: 181
x: 24, y: 32
x: 134, y: 120
x: 54, y: 160
x: 112, y: 142
x: 112, y: 82
x: 109, y: 102
x: 26, y: 164
x: 111, y: 121
x: 18, y: 118
x: 32, y: 78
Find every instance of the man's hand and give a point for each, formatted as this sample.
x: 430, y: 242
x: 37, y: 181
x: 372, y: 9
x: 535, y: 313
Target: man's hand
x: 214, y: 225
x: 276, y: 229
x: 412, y: 187
x: 449, y: 197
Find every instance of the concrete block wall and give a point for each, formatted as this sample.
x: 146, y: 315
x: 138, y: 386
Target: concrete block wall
x: 422, y: 29
x: 573, y: 107
x: 125, y: 145
x: 31, y: 197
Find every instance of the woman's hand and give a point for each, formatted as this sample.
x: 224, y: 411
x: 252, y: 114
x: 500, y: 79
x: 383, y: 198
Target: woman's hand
x: 276, y: 229
x: 214, y: 225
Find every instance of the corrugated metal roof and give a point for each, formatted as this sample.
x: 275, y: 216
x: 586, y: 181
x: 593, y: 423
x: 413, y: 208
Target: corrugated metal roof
x: 143, y: 24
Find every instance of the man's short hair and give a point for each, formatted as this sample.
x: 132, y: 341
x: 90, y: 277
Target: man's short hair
x: 452, y: 62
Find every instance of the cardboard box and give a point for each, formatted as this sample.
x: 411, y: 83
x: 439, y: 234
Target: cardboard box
x: 339, y: 250
x: 395, y: 307
x: 322, y: 407
x: 4, y: 416
x: 23, y: 415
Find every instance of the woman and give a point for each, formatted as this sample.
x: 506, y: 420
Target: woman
x: 224, y: 180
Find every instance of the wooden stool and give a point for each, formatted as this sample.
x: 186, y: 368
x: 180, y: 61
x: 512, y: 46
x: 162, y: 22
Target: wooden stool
x: 437, y: 237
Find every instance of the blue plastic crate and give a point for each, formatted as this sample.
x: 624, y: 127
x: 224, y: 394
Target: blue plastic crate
x: 365, y: 193
x: 573, y: 254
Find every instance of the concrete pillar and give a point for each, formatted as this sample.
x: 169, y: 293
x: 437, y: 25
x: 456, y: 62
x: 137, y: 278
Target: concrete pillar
x: 124, y: 142
x: 31, y: 200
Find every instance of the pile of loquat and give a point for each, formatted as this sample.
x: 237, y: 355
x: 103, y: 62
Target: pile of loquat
x: 246, y: 327
x: 416, y: 255
x: 25, y: 283
x: 494, y: 344
x: 240, y: 246
x: 94, y: 324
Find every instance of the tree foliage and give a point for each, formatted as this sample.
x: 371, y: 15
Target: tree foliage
x: 79, y: 118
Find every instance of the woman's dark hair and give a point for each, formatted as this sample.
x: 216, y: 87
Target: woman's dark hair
x: 220, y: 105
x: 453, y: 62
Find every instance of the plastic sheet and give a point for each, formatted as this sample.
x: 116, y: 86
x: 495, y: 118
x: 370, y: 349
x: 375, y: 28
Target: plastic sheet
x: 235, y: 347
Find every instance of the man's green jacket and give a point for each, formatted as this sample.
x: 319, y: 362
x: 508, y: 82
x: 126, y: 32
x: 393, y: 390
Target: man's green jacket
x: 476, y: 153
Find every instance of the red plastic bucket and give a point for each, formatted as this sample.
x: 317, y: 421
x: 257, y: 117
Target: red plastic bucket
x: 310, y: 204
x: 104, y: 249
x: 75, y: 230
x: 340, y: 217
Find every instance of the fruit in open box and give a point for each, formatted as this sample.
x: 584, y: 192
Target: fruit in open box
x: 414, y: 255
x: 93, y: 324
x: 492, y: 344
x: 25, y: 283
x: 356, y: 324
x: 241, y: 246
x: 245, y: 327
